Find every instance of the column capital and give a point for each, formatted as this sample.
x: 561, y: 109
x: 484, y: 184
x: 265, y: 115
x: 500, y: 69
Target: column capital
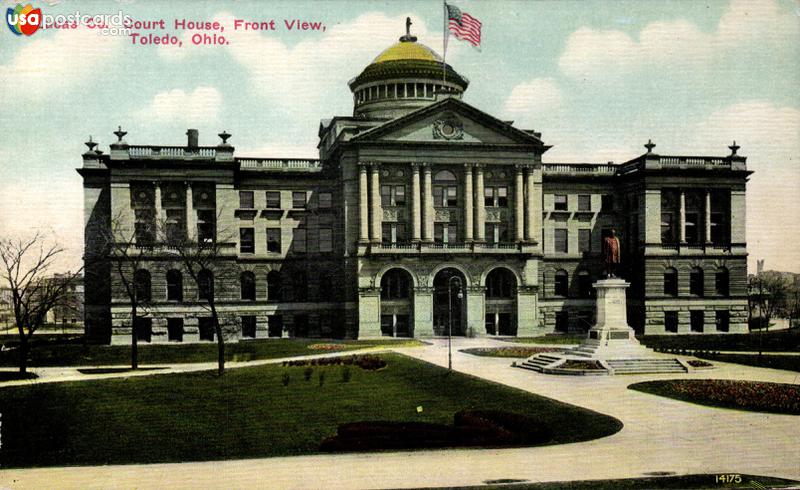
x: 188, y: 184
x: 469, y: 165
x: 363, y: 165
x: 375, y: 165
x: 416, y: 165
x: 520, y: 167
x: 479, y: 167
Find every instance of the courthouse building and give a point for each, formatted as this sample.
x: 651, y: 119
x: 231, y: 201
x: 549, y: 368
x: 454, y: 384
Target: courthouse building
x: 421, y: 209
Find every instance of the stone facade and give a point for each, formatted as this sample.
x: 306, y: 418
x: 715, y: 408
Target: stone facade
x: 422, y: 215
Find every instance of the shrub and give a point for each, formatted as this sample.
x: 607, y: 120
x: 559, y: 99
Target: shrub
x: 285, y: 379
x: 321, y: 378
x: 307, y: 372
x: 346, y: 374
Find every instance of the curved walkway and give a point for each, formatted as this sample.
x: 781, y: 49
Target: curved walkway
x: 660, y: 435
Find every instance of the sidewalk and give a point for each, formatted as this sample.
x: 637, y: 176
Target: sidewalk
x: 660, y: 435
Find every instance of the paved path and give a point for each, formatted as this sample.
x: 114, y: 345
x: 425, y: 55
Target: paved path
x: 660, y: 435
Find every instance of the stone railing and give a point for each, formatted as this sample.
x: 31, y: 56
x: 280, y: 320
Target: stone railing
x: 680, y: 162
x: 580, y: 168
x: 279, y: 163
x: 154, y: 151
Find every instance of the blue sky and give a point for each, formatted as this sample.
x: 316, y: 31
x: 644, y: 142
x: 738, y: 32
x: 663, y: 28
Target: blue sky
x: 597, y: 78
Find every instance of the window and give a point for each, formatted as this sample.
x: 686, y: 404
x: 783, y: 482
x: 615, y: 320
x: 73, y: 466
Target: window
x: 671, y: 282
x: 325, y: 240
x: 445, y: 233
x: 691, y: 228
x: 144, y: 329
x: 275, y: 325
x: 584, y: 284
x: 273, y: 199
x: 247, y: 240
x: 206, y: 327
x: 560, y: 202
x: 584, y: 202
x: 141, y: 284
x: 249, y: 327
x: 500, y: 284
x: 145, y: 226
x: 719, y: 228
x: 696, y: 320
x: 696, y: 282
x: 562, y: 321
x: 175, y: 329
x: 206, y: 226
x: 246, y: 200
x: 393, y: 233
x: 496, y: 233
x: 299, y: 200
x: 273, y: 286
x: 446, y: 193
x: 174, y: 285
x: 671, y: 321
x: 585, y: 240
x: 324, y: 200
x: 247, y: 283
x: 561, y: 283
x: 205, y: 284
x: 175, y: 228
x: 326, y: 291
x: 274, y: 240
x: 667, y: 228
x: 393, y: 195
x: 560, y: 235
x: 300, y: 286
x: 300, y: 327
x: 723, y: 320
x: 495, y: 197
x: 395, y: 284
x: 607, y: 203
x: 299, y: 240
x: 722, y: 282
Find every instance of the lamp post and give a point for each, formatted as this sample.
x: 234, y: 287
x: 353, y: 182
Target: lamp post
x: 450, y: 312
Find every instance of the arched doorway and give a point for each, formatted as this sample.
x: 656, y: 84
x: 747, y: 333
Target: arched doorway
x: 501, y: 302
x: 397, y: 308
x: 444, y: 279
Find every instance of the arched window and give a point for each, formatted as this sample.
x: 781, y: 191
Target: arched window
x: 396, y: 284
x: 501, y: 284
x: 445, y: 176
x: 561, y: 283
x: 141, y: 283
x: 274, y: 286
x: 671, y: 281
x: 584, y: 284
x: 722, y: 281
x: 247, y: 281
x: 205, y: 284
x: 445, y: 192
x: 696, y: 282
x: 174, y: 285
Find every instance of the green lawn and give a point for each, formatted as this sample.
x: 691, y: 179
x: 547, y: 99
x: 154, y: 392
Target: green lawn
x: 250, y: 413
x: 683, y: 482
x: 789, y: 363
x: 519, y: 352
x: 75, y: 353
x: 778, y: 341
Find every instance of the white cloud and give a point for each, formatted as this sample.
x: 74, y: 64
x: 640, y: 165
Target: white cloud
x: 50, y: 63
x: 202, y: 105
x: 536, y: 96
x: 664, y: 45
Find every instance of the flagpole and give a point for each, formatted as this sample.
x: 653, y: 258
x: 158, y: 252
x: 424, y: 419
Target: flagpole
x: 444, y: 45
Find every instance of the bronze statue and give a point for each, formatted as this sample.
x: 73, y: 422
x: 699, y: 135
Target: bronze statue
x: 611, y: 253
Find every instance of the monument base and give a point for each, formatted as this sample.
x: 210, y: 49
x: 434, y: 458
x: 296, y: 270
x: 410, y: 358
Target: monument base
x: 611, y: 346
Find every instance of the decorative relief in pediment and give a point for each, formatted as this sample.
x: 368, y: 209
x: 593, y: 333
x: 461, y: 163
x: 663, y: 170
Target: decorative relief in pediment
x: 448, y: 128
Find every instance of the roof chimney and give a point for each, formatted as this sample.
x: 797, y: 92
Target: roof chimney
x: 194, y: 136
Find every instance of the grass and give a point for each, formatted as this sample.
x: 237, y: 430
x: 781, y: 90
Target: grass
x: 249, y: 412
x: 777, y: 341
x: 116, y: 370
x: 75, y: 353
x: 687, y: 482
x: 550, y: 339
x: 788, y: 363
x: 752, y: 396
x: 15, y: 376
x: 512, y: 352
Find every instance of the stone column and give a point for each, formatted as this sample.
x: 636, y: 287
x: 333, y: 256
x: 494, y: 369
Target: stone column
x: 377, y: 211
x: 159, y: 217
x: 480, y: 210
x: 416, y: 208
x: 428, y: 215
x: 363, y: 203
x: 191, y: 227
x: 530, y: 207
x: 519, y: 206
x: 738, y: 218
x: 707, y: 224
x: 468, y: 189
x: 682, y: 218
x: 423, y: 311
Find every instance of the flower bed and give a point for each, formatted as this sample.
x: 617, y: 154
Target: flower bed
x: 581, y: 365
x: 517, y: 352
x: 697, y: 363
x: 742, y: 395
x: 366, y: 361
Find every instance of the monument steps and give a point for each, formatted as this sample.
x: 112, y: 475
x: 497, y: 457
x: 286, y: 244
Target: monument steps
x: 646, y: 366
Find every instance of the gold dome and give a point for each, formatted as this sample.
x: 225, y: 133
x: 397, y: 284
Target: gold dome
x: 407, y: 50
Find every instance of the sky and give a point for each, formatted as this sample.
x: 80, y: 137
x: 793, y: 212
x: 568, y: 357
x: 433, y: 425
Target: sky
x: 597, y: 78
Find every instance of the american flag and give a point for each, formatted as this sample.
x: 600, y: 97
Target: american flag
x: 463, y: 26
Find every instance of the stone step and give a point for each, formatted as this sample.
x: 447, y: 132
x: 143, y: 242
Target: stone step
x: 646, y: 366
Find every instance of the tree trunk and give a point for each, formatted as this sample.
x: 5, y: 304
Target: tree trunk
x: 134, y: 339
x: 220, y: 340
x: 23, y: 354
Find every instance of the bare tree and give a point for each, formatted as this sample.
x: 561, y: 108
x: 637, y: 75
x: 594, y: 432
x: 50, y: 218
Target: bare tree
x: 767, y: 292
x: 26, y: 268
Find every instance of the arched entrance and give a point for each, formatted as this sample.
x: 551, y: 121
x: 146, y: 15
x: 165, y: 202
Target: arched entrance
x: 501, y: 302
x: 397, y: 303
x: 444, y: 279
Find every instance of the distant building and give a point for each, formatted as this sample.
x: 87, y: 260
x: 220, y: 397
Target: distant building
x: 415, y: 191
x: 6, y: 309
x: 69, y: 311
